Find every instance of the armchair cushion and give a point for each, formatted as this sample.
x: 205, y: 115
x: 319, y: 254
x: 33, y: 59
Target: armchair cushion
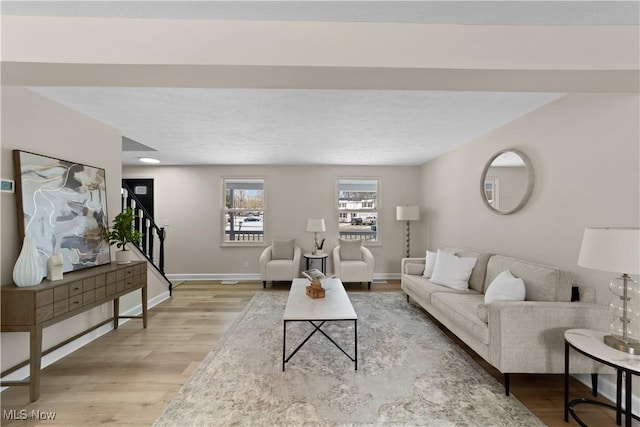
x: 350, y: 250
x: 282, y: 249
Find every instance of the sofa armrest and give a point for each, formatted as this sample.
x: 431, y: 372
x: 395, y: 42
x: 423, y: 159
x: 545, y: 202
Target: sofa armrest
x: 406, y: 261
x: 528, y: 336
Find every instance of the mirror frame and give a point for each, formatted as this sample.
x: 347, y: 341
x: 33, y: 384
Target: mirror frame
x: 530, y: 181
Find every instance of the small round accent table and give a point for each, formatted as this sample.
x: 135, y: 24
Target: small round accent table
x: 591, y: 344
x: 322, y: 256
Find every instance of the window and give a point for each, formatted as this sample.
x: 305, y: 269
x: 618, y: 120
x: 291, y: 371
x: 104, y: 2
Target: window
x: 358, y: 208
x: 244, y: 204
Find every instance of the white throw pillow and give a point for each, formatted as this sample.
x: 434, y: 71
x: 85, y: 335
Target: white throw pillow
x: 505, y: 287
x: 429, y: 264
x: 452, y: 271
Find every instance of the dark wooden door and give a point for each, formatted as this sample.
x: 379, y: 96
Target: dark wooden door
x: 143, y: 189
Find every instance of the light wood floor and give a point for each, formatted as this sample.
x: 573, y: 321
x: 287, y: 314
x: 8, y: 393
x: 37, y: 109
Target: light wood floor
x: 128, y: 376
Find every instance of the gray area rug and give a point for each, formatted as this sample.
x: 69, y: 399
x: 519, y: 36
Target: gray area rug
x: 409, y: 374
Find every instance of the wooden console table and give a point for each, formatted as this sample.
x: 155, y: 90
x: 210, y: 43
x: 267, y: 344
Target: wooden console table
x: 34, y: 308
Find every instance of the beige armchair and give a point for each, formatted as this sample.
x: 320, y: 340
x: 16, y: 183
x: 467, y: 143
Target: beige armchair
x: 280, y: 261
x: 352, y: 262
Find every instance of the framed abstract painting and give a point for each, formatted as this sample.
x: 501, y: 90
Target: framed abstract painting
x: 62, y: 205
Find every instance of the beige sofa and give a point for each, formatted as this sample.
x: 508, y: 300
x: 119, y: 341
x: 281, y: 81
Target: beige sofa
x: 513, y: 336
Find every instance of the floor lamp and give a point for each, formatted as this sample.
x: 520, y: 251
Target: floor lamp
x: 617, y: 250
x: 408, y: 214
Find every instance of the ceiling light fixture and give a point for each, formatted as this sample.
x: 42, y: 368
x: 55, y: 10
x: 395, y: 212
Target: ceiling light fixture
x: 148, y: 160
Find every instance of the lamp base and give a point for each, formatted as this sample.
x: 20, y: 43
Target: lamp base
x: 630, y: 346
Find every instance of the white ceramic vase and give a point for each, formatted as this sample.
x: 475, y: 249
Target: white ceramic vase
x: 28, y: 268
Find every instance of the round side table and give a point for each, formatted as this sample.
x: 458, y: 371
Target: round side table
x: 322, y: 256
x: 591, y: 344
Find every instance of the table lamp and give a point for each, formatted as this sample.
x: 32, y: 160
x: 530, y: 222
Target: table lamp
x: 408, y: 213
x: 315, y: 225
x: 616, y: 250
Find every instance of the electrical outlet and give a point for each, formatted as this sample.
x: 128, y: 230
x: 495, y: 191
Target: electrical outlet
x: 105, y: 307
x: 246, y: 264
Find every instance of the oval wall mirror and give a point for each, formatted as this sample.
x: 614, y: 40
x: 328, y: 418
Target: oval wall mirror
x: 507, y: 181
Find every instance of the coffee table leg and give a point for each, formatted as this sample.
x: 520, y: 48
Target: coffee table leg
x: 355, y: 332
x: 566, y: 382
x: 284, y: 344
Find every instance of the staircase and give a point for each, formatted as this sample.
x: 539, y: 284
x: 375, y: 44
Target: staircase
x: 153, y: 237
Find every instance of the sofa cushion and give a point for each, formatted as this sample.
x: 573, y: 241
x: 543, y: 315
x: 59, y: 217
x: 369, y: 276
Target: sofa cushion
x: 477, y: 278
x: 422, y: 289
x: 429, y: 264
x: 282, y: 249
x: 452, y: 271
x: 350, y: 250
x: 541, y: 282
x: 505, y: 287
x: 463, y: 311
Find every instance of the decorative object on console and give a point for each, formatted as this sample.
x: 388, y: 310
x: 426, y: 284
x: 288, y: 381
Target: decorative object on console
x: 408, y: 213
x: 617, y: 250
x: 316, y: 225
x: 54, y: 267
x: 507, y: 181
x: 27, y: 270
x: 63, y: 206
x: 315, y: 289
x: 123, y: 232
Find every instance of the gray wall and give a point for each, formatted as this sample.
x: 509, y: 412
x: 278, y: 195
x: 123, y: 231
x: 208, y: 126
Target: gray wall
x: 585, y: 154
x: 189, y: 198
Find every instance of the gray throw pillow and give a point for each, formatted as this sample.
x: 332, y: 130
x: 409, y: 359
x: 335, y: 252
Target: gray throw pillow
x: 282, y: 249
x: 350, y: 250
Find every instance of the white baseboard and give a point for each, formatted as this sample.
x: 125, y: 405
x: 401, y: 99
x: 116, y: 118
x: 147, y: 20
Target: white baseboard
x: 67, y: 349
x: 607, y: 389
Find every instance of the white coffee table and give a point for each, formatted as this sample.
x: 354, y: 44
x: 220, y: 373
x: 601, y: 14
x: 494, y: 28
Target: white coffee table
x: 334, y: 307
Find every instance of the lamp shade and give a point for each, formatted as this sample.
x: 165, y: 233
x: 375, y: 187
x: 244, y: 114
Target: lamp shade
x: 407, y: 213
x: 611, y: 249
x: 315, y: 225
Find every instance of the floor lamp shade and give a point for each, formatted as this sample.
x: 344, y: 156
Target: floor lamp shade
x: 617, y: 250
x: 407, y: 213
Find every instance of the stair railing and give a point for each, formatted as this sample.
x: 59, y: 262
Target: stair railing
x: 153, y: 236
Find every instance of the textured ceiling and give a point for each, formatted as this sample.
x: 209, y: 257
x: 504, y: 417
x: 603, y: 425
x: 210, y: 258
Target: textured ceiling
x: 278, y: 126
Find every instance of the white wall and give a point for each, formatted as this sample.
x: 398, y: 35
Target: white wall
x: 189, y: 198
x: 585, y: 154
x: 33, y: 123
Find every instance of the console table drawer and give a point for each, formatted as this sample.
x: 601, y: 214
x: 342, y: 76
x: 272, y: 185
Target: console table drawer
x: 75, y: 302
x: 60, y: 307
x: 61, y: 293
x: 111, y: 289
x: 101, y: 292
x: 44, y: 298
x: 75, y: 288
x: 88, y: 297
x: 88, y: 284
